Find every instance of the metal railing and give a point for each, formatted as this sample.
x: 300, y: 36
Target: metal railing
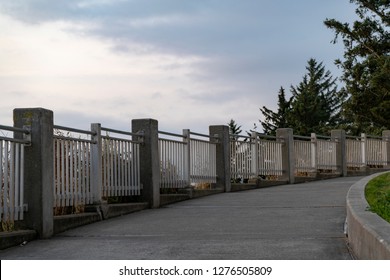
x: 241, y: 158
x: 326, y: 156
x: 120, y: 164
x: 305, y: 157
x: 203, y: 162
x: 72, y: 169
x: 12, y: 206
x: 370, y: 151
x: 376, y: 152
x: 186, y: 161
x: 269, y: 157
x: 174, y: 170
x: 255, y: 156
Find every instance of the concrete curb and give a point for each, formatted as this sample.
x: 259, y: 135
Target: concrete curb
x: 20, y: 237
x: 368, y: 234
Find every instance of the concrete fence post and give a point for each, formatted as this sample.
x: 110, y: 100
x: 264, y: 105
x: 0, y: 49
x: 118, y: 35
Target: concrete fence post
x: 38, y: 176
x: 149, y: 160
x: 187, y: 163
x: 255, y: 155
x: 314, y: 152
x: 223, y: 155
x: 338, y: 135
x: 286, y: 136
x: 96, y: 159
x: 386, y: 138
x: 364, y: 149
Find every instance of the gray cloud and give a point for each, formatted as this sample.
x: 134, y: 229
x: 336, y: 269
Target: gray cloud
x: 251, y: 47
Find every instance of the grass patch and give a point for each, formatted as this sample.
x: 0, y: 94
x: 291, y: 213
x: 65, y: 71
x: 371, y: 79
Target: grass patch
x: 377, y: 193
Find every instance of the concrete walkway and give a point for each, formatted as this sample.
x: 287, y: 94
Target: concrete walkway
x: 302, y: 221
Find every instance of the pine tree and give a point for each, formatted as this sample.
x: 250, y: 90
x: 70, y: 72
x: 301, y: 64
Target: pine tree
x: 279, y: 119
x: 234, y: 128
x: 315, y: 101
x: 314, y: 106
x: 366, y: 65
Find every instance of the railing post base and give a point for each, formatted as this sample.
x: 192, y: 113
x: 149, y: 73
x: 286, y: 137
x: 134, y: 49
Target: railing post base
x: 38, y: 176
x: 149, y: 160
x: 288, y: 160
x: 223, y: 155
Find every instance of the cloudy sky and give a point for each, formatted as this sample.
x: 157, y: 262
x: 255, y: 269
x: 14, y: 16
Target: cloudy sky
x: 186, y: 63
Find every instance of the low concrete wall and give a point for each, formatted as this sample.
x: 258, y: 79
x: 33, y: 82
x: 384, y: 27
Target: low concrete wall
x: 14, y: 238
x: 95, y: 214
x: 368, y: 234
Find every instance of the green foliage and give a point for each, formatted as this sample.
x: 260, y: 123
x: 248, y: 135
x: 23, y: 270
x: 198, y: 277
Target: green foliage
x: 377, y: 193
x: 314, y: 106
x: 279, y: 119
x: 366, y: 65
x: 316, y: 101
x: 234, y: 128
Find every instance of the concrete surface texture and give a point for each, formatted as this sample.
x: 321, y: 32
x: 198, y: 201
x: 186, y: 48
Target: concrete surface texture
x: 302, y: 221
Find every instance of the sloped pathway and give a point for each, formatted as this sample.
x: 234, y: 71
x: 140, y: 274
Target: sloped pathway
x: 301, y: 221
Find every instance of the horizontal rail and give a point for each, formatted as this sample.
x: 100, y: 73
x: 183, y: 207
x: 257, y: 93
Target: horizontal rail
x: 74, y: 139
x: 120, y: 132
x: 239, y: 136
x: 262, y: 135
x: 322, y: 137
x: 172, y: 134
x: 203, y: 135
x: 74, y: 130
x: 15, y: 129
x: 298, y: 137
x: 121, y: 139
x: 20, y: 141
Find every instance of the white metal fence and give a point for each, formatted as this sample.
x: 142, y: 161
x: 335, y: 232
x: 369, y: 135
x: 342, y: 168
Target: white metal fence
x: 186, y: 161
x: 74, y: 172
x: 269, y: 157
x: 314, y: 154
x: 241, y: 151
x: 326, y: 155
x: 203, y: 163
x: 174, y: 170
x: 305, y: 157
x: 72, y: 169
x: 367, y: 151
x: 12, y: 204
x: 120, y: 164
x: 376, y: 152
x: 355, y: 153
x: 251, y: 157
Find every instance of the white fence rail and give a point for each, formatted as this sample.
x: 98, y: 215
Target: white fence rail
x: 269, y: 157
x: 314, y: 154
x: 241, y: 151
x: 72, y: 169
x: 326, y: 155
x: 186, y: 161
x: 12, y: 205
x: 367, y: 151
x: 251, y: 157
x: 120, y: 164
x: 174, y: 170
x: 376, y: 152
x: 305, y: 157
x: 355, y: 153
x: 203, y: 163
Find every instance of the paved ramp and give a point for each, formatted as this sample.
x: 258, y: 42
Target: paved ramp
x: 302, y: 221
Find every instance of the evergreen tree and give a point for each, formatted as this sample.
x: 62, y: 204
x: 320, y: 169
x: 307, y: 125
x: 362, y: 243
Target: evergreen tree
x: 314, y: 106
x: 316, y: 102
x: 279, y: 119
x: 234, y: 128
x: 366, y: 65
